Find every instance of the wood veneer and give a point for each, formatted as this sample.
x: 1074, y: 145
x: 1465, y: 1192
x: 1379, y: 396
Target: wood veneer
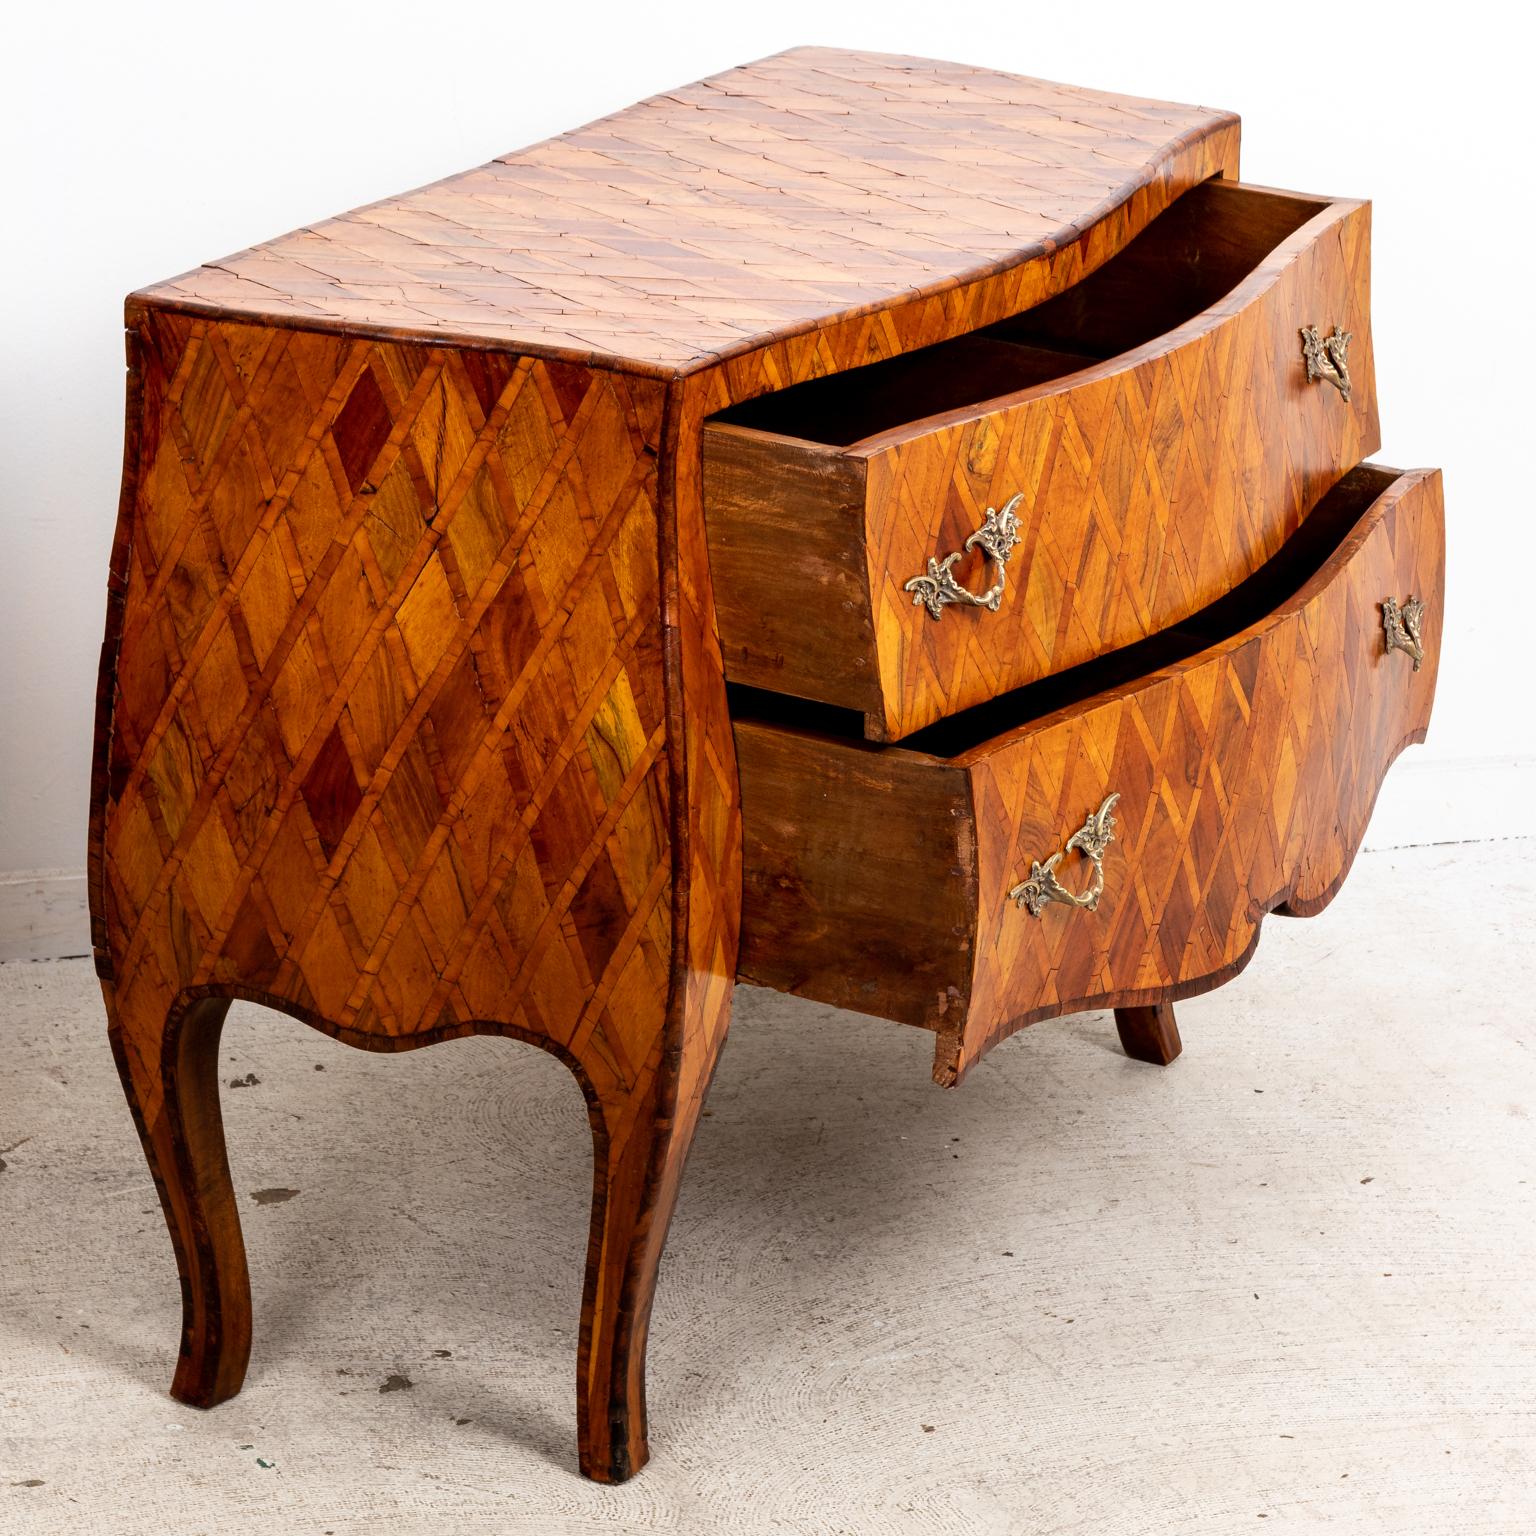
x: 816, y: 187
x: 388, y: 750
x: 1149, y: 1034
x: 1246, y: 747
x: 413, y: 719
x: 1164, y: 450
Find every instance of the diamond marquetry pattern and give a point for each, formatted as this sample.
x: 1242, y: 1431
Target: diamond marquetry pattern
x: 412, y: 718
x: 1246, y: 778
x: 388, y: 736
x: 1147, y: 492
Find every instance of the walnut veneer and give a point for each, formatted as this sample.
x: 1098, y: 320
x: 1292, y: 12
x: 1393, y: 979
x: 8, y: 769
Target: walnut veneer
x: 444, y: 524
x: 1166, y: 443
x: 1246, y: 747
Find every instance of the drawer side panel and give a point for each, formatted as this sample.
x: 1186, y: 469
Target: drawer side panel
x: 859, y: 883
x: 785, y: 528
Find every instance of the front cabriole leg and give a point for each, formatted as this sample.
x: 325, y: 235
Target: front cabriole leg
x: 639, y: 1147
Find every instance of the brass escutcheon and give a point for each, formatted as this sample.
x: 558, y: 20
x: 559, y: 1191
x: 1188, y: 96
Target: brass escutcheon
x: 1327, y: 357
x: 937, y: 587
x: 1042, y: 887
x: 1405, y: 628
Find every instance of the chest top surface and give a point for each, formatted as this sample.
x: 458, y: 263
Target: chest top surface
x: 711, y: 219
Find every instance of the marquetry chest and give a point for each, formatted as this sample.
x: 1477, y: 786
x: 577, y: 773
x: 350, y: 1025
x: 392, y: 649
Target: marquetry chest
x: 892, y: 531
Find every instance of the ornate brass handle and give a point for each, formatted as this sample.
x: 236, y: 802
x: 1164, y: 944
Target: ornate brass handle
x: 1042, y: 887
x: 1405, y: 628
x: 937, y: 588
x: 1327, y: 357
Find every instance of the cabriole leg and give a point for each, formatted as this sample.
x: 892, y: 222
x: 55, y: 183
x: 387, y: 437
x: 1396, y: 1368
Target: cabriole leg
x: 1149, y: 1034
x: 168, y: 1059
x: 638, y: 1161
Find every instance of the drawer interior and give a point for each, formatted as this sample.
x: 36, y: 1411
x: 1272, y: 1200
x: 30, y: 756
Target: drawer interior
x: 1183, y: 262
x: 1274, y: 584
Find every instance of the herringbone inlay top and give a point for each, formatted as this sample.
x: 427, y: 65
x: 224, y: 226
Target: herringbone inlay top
x: 769, y: 197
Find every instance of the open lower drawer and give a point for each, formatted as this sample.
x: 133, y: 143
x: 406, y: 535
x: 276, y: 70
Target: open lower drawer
x: 1156, y: 433
x: 1190, y: 783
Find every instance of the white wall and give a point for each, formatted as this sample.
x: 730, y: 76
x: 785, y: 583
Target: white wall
x: 144, y: 138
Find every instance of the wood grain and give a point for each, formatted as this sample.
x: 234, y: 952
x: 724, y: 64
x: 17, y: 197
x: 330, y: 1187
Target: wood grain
x: 711, y: 219
x: 1246, y: 767
x: 413, y: 719
x: 1152, y: 482
x: 786, y: 544
x: 860, y: 883
x: 387, y: 745
x: 1149, y: 1034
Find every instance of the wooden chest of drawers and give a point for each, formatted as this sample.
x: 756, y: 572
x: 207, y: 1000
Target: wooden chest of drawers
x: 889, y: 530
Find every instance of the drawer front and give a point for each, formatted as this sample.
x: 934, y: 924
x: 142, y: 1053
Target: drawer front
x: 1144, y: 486
x: 1245, y: 775
x: 1246, y: 779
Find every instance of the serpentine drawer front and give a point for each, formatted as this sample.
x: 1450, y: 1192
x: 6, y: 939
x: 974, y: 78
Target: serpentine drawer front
x: 1217, y: 772
x: 512, y: 576
x: 1149, y: 438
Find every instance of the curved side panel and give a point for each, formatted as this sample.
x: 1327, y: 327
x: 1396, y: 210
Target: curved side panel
x: 390, y: 739
x: 1246, y: 777
x: 386, y: 733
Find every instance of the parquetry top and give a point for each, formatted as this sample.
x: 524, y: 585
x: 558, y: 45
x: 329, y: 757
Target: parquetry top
x: 768, y: 199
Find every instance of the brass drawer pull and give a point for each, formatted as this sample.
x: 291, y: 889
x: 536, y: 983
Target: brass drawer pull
x: 1405, y: 628
x: 1042, y: 886
x: 998, y: 533
x: 1327, y: 357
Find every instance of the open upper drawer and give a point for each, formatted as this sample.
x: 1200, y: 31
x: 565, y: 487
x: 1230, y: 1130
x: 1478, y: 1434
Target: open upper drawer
x: 1135, y: 447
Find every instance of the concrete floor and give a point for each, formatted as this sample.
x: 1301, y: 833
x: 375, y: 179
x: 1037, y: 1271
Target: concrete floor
x: 1291, y: 1278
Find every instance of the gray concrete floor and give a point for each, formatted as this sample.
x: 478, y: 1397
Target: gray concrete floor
x: 1290, y: 1279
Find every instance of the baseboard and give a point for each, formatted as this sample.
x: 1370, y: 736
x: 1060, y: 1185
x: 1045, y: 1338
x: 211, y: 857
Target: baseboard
x: 43, y: 915
x: 1471, y: 800
x: 43, y: 912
